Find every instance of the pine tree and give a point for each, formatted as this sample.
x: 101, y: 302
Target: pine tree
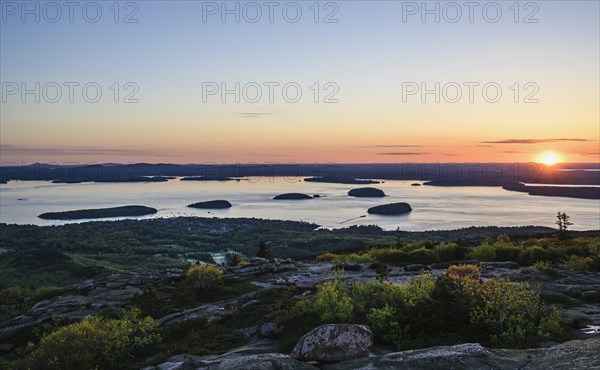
x: 562, y: 220
x: 262, y: 250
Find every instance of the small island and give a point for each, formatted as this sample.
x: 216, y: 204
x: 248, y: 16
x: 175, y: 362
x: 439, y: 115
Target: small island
x: 366, y: 193
x: 392, y: 209
x: 292, y: 196
x: 211, y: 204
x: 209, y: 178
x: 136, y: 179
x: 340, y: 180
x: 124, y: 211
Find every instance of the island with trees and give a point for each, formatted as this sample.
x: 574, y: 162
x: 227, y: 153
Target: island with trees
x: 366, y: 193
x: 211, y: 204
x: 392, y: 209
x: 293, y: 196
x: 124, y: 211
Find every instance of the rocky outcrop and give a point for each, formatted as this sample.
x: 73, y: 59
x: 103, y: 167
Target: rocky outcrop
x: 265, y: 361
x: 391, y: 209
x: 259, y: 266
x: 416, y: 267
x: 366, y: 193
x: 268, y: 361
x: 573, y: 355
x: 211, y: 204
x: 221, y: 310
x: 570, y: 355
x: 462, y: 356
x: 89, y: 298
x: 333, y: 343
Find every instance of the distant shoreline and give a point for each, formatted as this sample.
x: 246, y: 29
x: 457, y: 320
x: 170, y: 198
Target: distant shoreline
x: 444, y: 174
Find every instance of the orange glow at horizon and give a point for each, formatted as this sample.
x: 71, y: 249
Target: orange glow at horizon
x: 549, y: 158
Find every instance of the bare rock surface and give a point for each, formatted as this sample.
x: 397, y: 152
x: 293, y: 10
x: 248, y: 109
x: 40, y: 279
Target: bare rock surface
x: 334, y: 342
x: 88, y: 298
x: 573, y: 355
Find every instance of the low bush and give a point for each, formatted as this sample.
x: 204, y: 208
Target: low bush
x: 325, y: 257
x: 354, y: 258
x: 204, y: 276
x: 333, y: 302
x: 427, y: 311
x: 94, y: 343
x: 542, y: 265
x: 577, y: 263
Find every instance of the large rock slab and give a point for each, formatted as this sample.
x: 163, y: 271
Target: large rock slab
x: 259, y: 266
x: 265, y: 361
x: 573, y: 355
x: 334, y: 342
x: 88, y: 298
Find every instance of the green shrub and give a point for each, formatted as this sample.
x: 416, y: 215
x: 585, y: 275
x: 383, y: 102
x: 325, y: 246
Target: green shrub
x: 204, y: 276
x: 198, y: 337
x: 11, y: 294
x: 577, y: 263
x: 509, y: 311
x: 295, y: 321
x: 325, y: 257
x: 542, y: 265
x: 375, y: 294
x: 354, y: 258
x: 385, y: 325
x: 428, y: 310
x: 530, y: 255
x: 46, y: 292
x: 483, y: 252
x: 506, y: 252
x: 423, y: 255
x: 447, y: 251
x: 333, y: 301
x: 389, y: 255
x: 94, y: 343
x: 550, y: 323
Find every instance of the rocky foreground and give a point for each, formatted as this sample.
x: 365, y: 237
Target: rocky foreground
x: 577, y: 354
x: 334, y: 347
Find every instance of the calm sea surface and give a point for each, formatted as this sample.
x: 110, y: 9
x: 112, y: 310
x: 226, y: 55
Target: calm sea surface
x: 434, y: 208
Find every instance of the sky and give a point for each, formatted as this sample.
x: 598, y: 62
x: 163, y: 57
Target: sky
x: 305, y: 81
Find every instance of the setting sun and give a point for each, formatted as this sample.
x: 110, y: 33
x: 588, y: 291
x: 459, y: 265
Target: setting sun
x: 549, y: 158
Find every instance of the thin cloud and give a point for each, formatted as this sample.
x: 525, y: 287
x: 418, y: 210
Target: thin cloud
x: 533, y: 141
x: 266, y: 155
x: 393, y: 146
x: 402, y: 153
x: 254, y: 114
x: 80, y: 150
x: 590, y: 154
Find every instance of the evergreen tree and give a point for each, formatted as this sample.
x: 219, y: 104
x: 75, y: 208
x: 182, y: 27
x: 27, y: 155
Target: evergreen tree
x: 262, y: 250
x: 562, y: 220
